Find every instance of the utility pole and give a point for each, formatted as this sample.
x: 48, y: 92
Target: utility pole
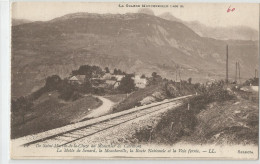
x: 180, y: 74
x: 236, y: 72
x: 239, y: 73
x: 180, y: 77
x: 176, y: 74
x: 227, y: 66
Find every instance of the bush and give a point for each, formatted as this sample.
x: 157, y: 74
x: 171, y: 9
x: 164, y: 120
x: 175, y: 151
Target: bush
x: 99, y: 91
x: 127, y: 84
x: 52, y: 82
x: 182, y: 122
x: 216, y: 92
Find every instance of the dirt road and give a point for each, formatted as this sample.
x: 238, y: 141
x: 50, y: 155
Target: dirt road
x: 105, y: 108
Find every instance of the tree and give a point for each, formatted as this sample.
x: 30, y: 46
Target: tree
x: 88, y: 71
x: 154, y: 74
x: 115, y: 71
x: 96, y: 71
x: 143, y: 76
x: 127, y: 84
x: 119, y: 72
x: 52, y: 82
x: 189, y: 80
x: 107, y: 70
x: 87, y: 87
x: 83, y: 70
x: 155, y: 79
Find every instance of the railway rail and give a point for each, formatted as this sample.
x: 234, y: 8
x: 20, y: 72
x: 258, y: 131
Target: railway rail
x: 72, y: 133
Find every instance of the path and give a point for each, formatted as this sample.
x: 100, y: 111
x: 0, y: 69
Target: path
x: 105, y: 108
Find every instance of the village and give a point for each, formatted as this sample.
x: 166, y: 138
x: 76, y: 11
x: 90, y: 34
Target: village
x: 108, y: 80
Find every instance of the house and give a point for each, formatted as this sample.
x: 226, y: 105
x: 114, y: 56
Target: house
x: 119, y: 77
x: 107, y: 76
x: 112, y: 83
x: 77, y: 79
x: 139, y: 82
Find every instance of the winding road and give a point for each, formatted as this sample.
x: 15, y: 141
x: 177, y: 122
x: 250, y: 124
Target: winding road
x: 105, y: 108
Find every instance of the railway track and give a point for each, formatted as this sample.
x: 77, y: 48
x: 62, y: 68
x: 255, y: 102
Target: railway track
x: 105, y: 123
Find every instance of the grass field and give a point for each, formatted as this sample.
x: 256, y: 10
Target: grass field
x: 50, y: 112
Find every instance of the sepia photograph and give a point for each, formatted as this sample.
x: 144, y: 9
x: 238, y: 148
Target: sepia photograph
x: 134, y: 80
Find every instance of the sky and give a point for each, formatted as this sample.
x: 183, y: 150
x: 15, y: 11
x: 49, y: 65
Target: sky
x: 209, y: 14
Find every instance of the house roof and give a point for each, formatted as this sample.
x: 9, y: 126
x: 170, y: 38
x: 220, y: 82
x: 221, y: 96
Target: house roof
x: 73, y: 78
x: 139, y: 80
x: 119, y: 77
x: 80, y: 78
x: 107, y: 76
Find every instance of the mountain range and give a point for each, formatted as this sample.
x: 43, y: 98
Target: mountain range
x: 133, y: 42
x: 222, y: 33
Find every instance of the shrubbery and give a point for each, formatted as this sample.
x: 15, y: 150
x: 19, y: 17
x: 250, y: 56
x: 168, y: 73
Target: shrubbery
x: 181, y: 121
x: 252, y: 81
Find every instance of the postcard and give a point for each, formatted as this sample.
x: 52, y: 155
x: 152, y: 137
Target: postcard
x: 134, y: 80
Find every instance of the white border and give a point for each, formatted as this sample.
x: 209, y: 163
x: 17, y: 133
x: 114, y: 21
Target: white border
x: 4, y: 80
x: 5, y: 84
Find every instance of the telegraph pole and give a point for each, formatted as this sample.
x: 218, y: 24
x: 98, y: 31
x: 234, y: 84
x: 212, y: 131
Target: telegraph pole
x: 239, y: 72
x: 176, y: 75
x: 180, y: 77
x: 236, y: 72
x: 227, y: 66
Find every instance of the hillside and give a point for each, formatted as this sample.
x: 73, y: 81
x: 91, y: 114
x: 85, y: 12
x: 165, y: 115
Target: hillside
x: 46, y: 114
x: 16, y: 22
x: 137, y: 43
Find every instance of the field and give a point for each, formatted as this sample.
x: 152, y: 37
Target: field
x: 49, y: 112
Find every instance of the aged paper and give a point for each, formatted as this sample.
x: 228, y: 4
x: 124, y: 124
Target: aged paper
x: 134, y: 80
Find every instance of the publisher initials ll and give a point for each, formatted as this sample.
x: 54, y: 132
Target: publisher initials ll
x: 212, y: 151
